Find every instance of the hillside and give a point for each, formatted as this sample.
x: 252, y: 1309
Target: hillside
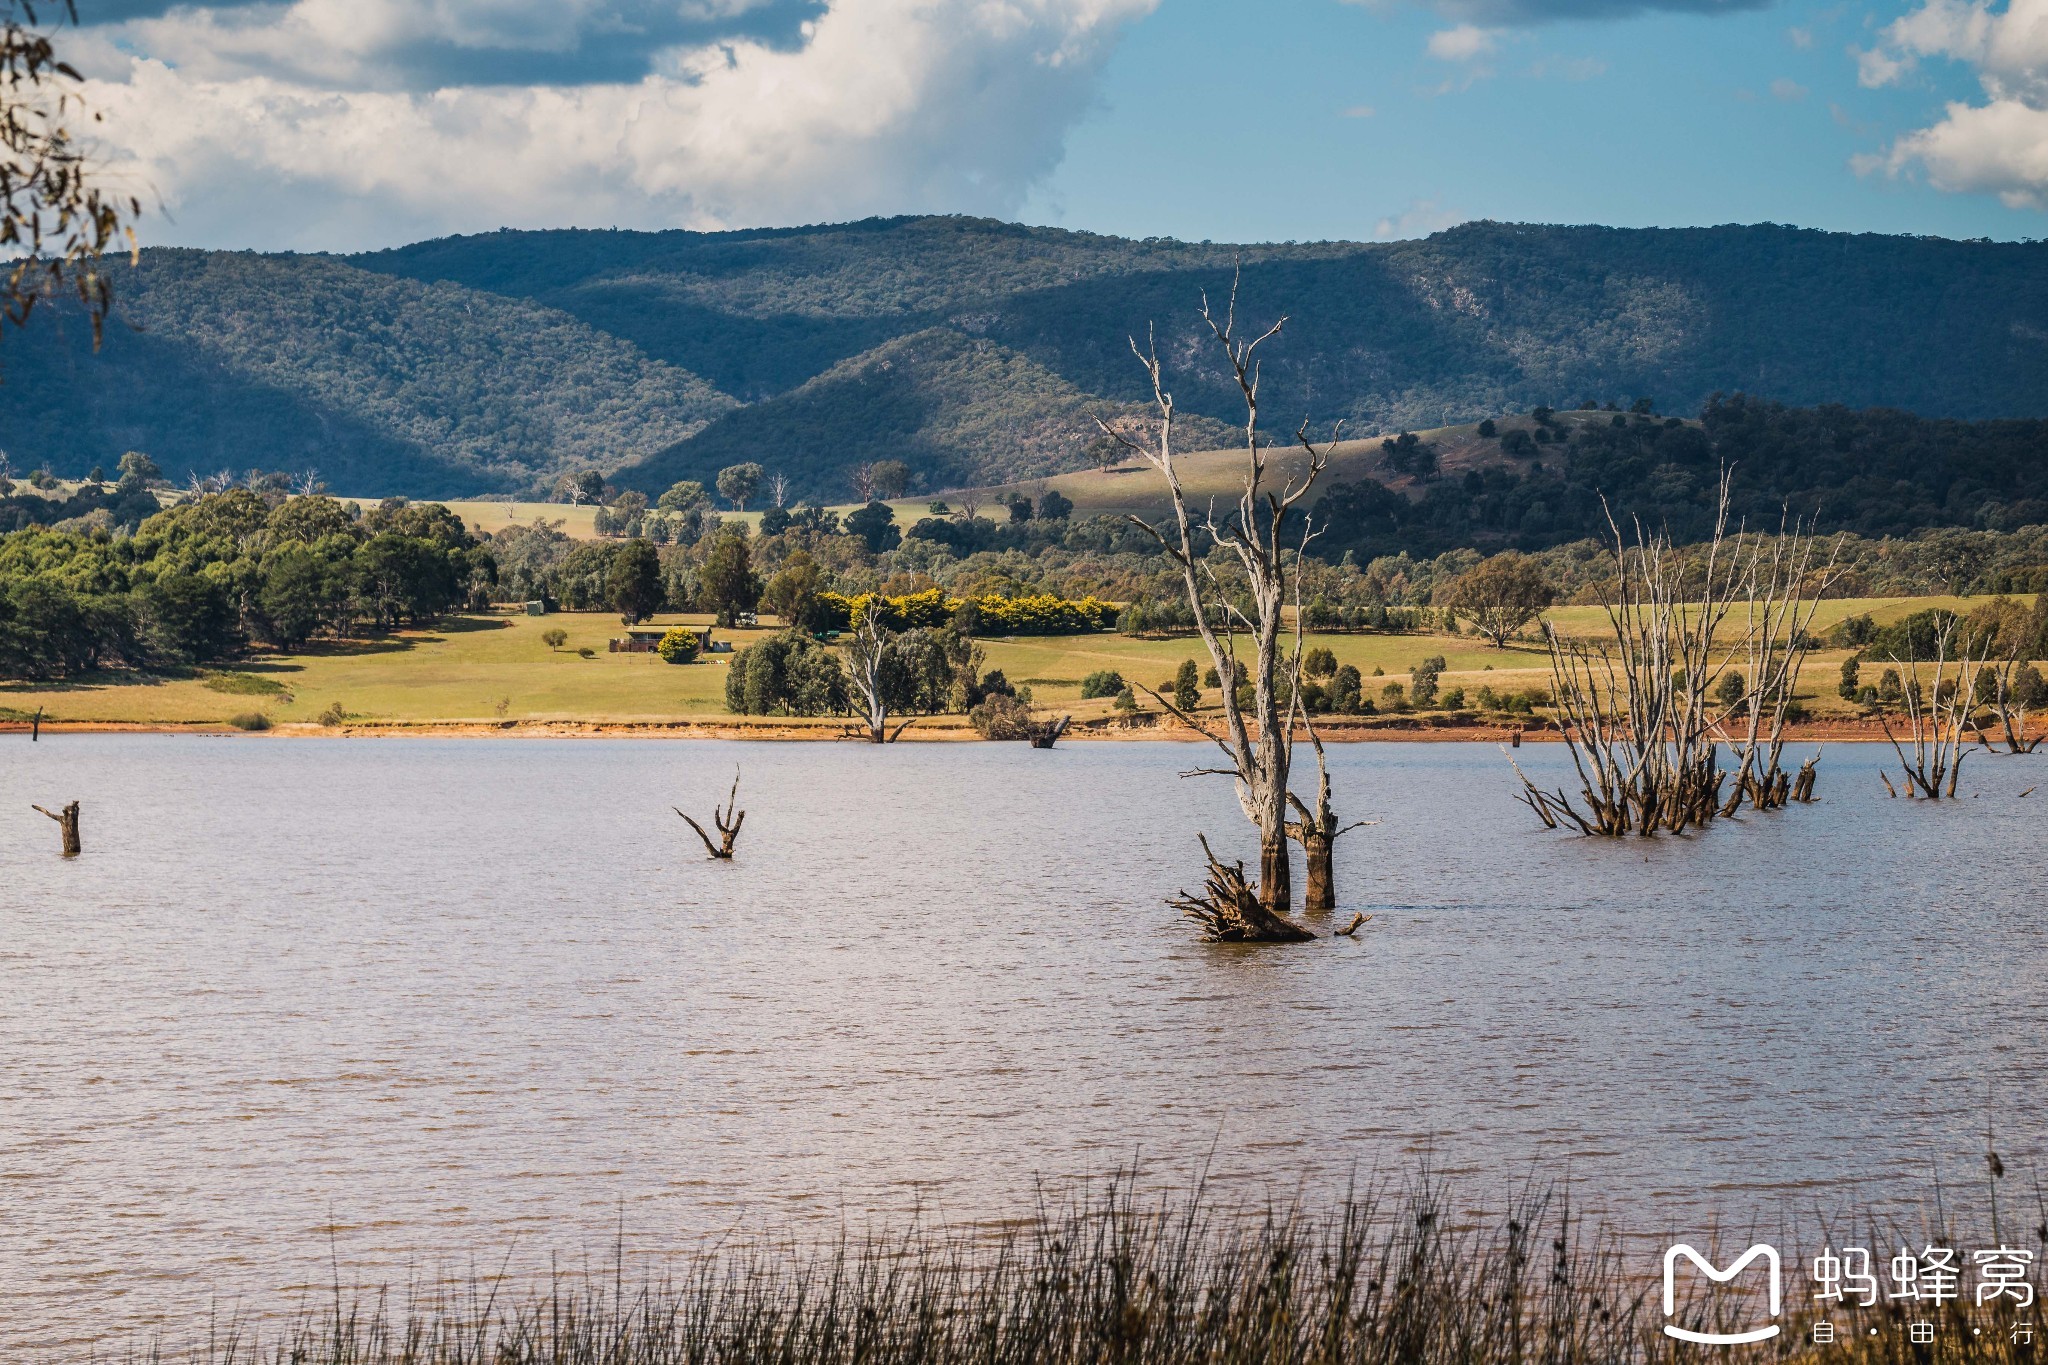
x: 976, y: 351
x: 236, y: 361
x: 958, y: 409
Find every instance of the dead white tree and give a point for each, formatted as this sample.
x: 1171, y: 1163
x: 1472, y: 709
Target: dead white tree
x: 1258, y: 746
x: 862, y: 477
x: 869, y: 666
x: 778, y: 489
x: 1639, y: 706
x: 2008, y: 630
x: 1783, y: 582
x: 1633, y: 703
x: 1938, y: 709
x: 728, y: 820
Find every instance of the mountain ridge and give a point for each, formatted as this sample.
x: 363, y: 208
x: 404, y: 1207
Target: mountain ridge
x: 500, y: 361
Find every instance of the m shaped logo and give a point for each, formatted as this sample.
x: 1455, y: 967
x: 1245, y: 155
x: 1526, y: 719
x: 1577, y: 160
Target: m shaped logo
x: 1768, y: 1254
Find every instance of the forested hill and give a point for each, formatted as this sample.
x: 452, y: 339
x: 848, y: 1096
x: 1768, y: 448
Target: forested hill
x: 975, y: 351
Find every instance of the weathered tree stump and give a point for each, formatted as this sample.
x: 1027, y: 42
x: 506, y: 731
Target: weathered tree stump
x: 67, y: 820
x: 35, y: 726
x: 1043, y: 734
x: 727, y: 820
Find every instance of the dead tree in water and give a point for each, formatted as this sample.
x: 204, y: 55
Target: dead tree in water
x: 67, y: 820
x: 1637, y: 708
x: 1257, y: 747
x: 2009, y: 633
x: 1782, y: 583
x: 1043, y: 734
x: 1937, y: 719
x: 1315, y: 828
x: 727, y: 820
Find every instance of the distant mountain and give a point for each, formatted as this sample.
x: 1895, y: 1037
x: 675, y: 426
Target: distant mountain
x: 230, y: 360
x: 976, y: 351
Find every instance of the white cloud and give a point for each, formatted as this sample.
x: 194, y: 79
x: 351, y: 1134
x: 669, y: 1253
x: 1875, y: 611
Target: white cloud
x: 284, y: 125
x: 1360, y: 111
x: 1801, y: 38
x: 1788, y: 90
x: 1465, y: 43
x: 1419, y: 219
x: 1998, y: 147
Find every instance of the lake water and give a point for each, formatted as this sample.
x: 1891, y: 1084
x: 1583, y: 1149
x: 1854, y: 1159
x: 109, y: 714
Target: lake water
x: 312, y: 1009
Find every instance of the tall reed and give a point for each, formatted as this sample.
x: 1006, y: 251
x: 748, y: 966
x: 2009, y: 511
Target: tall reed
x: 1394, y: 1276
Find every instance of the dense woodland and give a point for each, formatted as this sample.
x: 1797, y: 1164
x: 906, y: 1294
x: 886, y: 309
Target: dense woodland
x: 974, y: 351
x: 1875, y: 472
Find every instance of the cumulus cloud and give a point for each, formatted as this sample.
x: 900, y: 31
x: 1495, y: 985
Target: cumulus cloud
x: 343, y: 123
x: 1998, y: 147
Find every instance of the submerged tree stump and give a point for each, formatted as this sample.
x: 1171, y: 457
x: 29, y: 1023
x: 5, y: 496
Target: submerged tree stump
x: 1043, y: 734
x: 67, y: 821
x: 728, y: 821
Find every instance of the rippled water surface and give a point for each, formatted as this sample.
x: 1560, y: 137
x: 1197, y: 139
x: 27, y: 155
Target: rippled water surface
x: 313, y: 1009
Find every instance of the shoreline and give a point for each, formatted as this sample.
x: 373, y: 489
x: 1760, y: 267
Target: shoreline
x: 948, y: 730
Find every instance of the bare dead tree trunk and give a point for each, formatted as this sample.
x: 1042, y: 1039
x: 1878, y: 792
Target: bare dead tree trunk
x: 1315, y: 827
x: 1258, y: 746
x: 35, y: 731
x: 1043, y: 734
x: 728, y: 821
x: 67, y: 821
x: 867, y: 660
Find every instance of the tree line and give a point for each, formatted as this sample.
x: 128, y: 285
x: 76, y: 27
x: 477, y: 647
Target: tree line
x: 207, y: 578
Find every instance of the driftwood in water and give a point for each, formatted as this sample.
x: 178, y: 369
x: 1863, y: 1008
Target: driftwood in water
x: 35, y: 727
x: 67, y: 820
x: 1351, y: 930
x: 727, y: 820
x: 1230, y: 911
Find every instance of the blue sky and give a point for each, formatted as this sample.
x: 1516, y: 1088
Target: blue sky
x: 344, y: 124
x: 1659, y: 119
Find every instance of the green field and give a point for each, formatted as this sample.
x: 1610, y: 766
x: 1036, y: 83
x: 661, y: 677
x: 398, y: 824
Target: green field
x: 495, y: 669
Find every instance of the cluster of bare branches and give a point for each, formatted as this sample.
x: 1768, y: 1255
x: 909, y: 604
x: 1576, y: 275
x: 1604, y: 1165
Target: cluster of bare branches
x: 728, y: 819
x: 1940, y: 695
x: 2007, y: 640
x: 55, y: 221
x: 1645, y: 708
x: 1256, y: 742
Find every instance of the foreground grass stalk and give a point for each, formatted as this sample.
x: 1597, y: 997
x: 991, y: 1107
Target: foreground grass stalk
x: 1391, y: 1277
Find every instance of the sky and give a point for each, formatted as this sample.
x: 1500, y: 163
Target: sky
x: 345, y: 125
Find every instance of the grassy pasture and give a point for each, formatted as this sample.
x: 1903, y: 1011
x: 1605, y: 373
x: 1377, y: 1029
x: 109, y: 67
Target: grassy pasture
x: 463, y: 670
x: 1126, y: 488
